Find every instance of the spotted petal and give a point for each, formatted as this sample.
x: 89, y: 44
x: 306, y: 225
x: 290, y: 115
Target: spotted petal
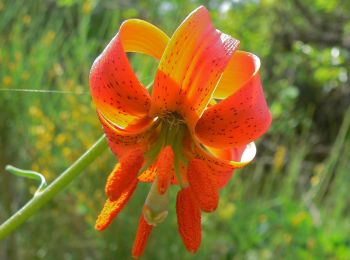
x: 221, y: 161
x: 117, y: 93
x: 191, y: 67
x: 243, y: 116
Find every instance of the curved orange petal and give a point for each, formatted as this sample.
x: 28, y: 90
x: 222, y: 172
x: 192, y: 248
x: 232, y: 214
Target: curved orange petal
x: 239, y: 119
x: 112, y: 208
x: 191, y: 66
x: 221, y: 162
x: 143, y: 37
x: 238, y: 71
x: 121, y: 141
x: 188, y: 220
x: 116, y: 91
x: 235, y: 158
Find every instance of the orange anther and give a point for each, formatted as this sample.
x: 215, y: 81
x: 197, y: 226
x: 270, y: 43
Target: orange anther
x: 189, y: 220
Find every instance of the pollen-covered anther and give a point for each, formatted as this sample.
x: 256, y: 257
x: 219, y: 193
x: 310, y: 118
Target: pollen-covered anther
x: 202, y: 185
x: 124, y: 173
x: 189, y: 220
x: 165, y: 165
x: 142, y: 234
x: 112, y: 208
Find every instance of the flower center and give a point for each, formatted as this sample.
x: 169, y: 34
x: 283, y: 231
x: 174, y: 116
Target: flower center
x: 172, y: 119
x: 172, y: 130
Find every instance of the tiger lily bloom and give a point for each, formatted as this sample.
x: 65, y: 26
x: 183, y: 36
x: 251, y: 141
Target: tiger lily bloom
x: 192, y: 128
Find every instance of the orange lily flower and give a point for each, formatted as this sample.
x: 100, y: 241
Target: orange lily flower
x: 194, y: 126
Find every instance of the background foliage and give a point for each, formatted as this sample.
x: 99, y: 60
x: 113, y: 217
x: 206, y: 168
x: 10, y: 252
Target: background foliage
x: 291, y: 203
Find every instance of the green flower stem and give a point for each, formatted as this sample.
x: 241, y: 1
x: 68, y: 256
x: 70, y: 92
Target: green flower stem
x: 50, y: 191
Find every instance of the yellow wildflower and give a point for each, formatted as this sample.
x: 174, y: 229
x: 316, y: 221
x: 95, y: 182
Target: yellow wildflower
x: 7, y: 80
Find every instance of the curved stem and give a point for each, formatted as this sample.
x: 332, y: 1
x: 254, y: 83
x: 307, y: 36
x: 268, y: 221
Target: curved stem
x: 56, y: 186
x: 30, y: 175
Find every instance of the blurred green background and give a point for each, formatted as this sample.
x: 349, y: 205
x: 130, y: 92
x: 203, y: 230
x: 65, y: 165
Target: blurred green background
x: 291, y: 203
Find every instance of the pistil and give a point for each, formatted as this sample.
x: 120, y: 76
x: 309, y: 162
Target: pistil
x: 155, y: 209
x: 172, y: 129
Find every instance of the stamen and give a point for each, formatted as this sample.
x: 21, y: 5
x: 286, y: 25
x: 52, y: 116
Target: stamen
x: 149, y: 174
x: 165, y: 167
x: 202, y: 185
x: 124, y: 173
x: 112, y: 208
x: 142, y: 235
x: 155, y: 209
x: 189, y: 220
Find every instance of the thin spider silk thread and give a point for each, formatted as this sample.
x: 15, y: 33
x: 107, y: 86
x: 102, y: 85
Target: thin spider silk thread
x: 42, y: 91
